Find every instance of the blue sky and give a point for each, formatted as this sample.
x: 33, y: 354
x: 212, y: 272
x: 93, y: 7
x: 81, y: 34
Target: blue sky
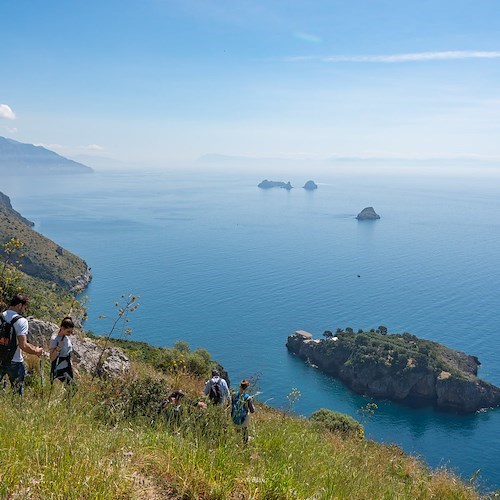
x: 159, y: 81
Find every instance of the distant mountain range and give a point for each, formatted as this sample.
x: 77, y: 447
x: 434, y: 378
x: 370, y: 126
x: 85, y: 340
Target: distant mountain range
x: 216, y: 158
x: 19, y: 158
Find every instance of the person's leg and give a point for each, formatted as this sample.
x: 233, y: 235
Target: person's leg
x: 17, y: 374
x: 3, y: 379
x: 245, y: 435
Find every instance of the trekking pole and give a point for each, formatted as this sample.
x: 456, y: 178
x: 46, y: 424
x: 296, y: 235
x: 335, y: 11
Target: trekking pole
x: 40, y: 362
x: 41, y: 366
x: 51, y: 383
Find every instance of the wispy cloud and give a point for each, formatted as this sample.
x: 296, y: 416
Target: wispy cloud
x: 6, y: 112
x: 307, y: 37
x: 93, y: 147
x: 403, y: 58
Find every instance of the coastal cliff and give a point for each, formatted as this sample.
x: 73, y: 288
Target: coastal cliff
x: 398, y: 367
x: 41, y: 257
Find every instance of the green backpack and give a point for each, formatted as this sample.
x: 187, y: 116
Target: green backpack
x: 239, y: 408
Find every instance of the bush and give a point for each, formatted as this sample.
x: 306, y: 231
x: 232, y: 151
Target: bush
x: 128, y: 399
x: 199, y: 363
x: 338, y: 423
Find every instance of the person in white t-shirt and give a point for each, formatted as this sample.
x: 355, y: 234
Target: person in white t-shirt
x: 14, y: 367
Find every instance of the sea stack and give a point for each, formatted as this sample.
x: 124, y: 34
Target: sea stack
x: 368, y: 213
x: 310, y: 186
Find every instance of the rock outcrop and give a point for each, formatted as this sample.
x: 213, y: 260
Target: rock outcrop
x: 401, y: 368
x: 310, y: 186
x: 367, y: 213
x: 265, y: 184
x: 86, y: 351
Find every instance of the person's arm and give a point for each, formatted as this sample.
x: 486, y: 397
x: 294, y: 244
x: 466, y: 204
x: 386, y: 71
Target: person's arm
x: 54, y: 352
x: 227, y: 394
x: 207, y: 387
x: 54, y: 349
x: 25, y: 346
x: 251, y: 407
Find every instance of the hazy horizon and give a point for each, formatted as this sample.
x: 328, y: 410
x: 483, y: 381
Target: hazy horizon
x: 164, y: 82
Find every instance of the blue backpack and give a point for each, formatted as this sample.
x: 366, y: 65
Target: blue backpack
x: 239, y: 408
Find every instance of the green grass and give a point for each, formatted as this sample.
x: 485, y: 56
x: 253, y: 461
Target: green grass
x: 52, y: 449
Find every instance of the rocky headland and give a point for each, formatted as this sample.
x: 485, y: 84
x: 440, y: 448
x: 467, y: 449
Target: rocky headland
x: 367, y: 213
x: 41, y: 257
x: 399, y: 367
x: 265, y: 184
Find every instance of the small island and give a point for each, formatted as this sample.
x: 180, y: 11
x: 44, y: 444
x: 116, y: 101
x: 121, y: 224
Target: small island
x: 399, y: 367
x: 310, y: 186
x: 265, y: 184
x: 367, y: 213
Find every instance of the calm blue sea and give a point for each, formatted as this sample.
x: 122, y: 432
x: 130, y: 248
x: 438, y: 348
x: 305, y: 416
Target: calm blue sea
x: 234, y: 269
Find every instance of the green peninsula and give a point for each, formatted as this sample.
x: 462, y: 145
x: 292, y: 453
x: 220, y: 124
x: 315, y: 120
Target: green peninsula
x: 399, y: 367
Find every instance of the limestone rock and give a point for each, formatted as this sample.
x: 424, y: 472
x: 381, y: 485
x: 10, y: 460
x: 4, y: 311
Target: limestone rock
x: 368, y: 213
x: 310, y: 186
x: 86, y: 352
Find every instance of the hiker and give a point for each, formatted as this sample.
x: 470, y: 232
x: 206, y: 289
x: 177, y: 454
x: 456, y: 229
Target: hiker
x: 216, y: 389
x: 13, y: 341
x: 242, y: 406
x: 60, y: 349
x: 173, y: 408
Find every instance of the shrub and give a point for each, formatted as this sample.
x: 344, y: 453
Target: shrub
x: 127, y: 399
x: 338, y: 423
x: 198, y: 363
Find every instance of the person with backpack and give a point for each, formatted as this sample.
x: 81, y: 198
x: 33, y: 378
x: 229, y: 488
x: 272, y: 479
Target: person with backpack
x: 173, y: 410
x: 216, y: 389
x: 60, y: 349
x: 242, y: 406
x: 13, y: 342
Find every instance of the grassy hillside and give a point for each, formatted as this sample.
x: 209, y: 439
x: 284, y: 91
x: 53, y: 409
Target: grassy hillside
x: 109, y: 441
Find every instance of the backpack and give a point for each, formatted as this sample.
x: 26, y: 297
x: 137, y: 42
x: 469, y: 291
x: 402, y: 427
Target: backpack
x: 8, y: 339
x: 215, y: 392
x: 239, y: 408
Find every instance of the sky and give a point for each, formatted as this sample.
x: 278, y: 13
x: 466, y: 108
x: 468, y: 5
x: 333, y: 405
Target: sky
x: 161, y: 81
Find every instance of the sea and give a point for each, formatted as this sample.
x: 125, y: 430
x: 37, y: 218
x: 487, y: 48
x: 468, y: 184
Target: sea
x: 234, y: 269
